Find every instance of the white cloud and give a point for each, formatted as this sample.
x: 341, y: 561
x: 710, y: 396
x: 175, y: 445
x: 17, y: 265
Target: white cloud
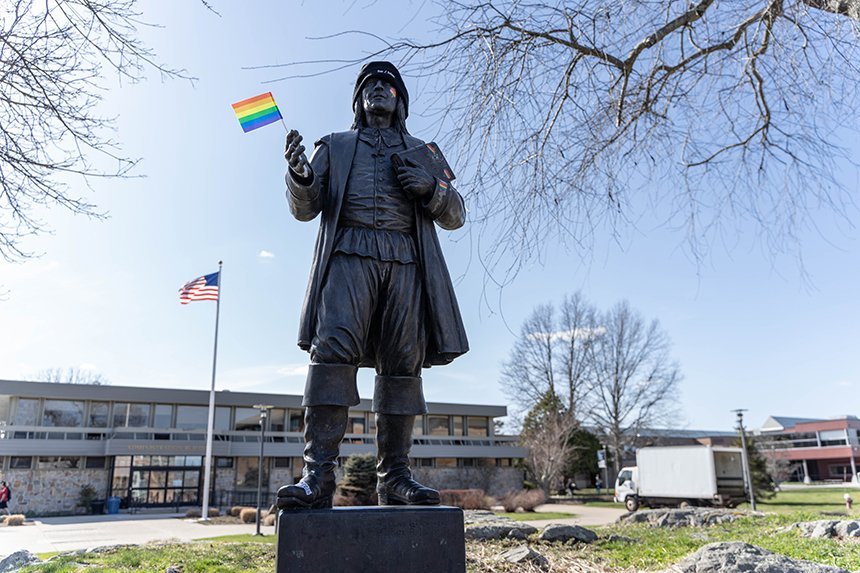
x: 565, y: 335
x: 264, y: 254
x: 845, y: 383
x: 294, y: 370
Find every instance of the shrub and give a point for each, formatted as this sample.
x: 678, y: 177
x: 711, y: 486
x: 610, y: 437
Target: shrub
x: 16, y: 519
x: 86, y: 495
x: 248, y: 515
x: 269, y: 519
x: 464, y: 498
x: 193, y: 512
x: 526, y: 499
x: 214, y: 512
x: 530, y: 499
x: 237, y: 509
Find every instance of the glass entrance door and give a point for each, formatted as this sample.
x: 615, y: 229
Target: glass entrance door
x: 153, y: 481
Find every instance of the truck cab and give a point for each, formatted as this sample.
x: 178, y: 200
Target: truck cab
x: 626, y: 489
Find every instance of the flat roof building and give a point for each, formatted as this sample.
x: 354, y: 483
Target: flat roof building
x: 147, y: 445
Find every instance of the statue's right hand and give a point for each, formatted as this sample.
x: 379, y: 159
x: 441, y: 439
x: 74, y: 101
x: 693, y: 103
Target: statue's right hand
x: 294, y: 153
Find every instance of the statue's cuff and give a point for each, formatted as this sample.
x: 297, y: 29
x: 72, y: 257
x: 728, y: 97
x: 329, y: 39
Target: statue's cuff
x: 439, y: 199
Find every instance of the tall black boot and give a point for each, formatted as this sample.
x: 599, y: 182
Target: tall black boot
x: 324, y: 430
x: 394, y: 483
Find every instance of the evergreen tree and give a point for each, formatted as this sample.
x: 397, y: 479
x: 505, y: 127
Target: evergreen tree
x: 359, y: 480
x: 763, y: 484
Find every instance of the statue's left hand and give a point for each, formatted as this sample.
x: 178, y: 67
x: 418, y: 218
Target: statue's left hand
x: 414, y: 179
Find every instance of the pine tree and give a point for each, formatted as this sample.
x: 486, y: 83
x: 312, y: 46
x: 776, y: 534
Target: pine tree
x: 359, y: 481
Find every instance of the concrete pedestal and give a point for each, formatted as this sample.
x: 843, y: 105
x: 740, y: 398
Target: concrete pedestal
x: 372, y: 539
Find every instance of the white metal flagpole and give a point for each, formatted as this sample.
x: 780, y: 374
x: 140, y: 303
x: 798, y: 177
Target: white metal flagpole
x: 210, y: 425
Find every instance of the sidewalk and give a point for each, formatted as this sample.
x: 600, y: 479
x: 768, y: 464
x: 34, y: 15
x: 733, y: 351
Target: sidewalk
x: 582, y: 514
x: 86, y: 531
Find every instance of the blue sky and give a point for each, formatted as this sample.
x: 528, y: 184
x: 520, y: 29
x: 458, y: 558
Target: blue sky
x: 748, y: 331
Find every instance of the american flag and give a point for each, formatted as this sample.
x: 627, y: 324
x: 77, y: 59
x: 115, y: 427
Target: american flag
x: 201, y: 288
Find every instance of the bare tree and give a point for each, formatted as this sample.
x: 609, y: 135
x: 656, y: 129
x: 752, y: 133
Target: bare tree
x: 550, y: 357
x: 580, y: 114
x: 53, y: 57
x: 71, y: 376
x: 635, y: 380
x: 545, y: 433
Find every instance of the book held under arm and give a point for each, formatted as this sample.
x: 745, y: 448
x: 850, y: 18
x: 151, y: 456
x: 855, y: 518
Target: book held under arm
x: 427, y: 156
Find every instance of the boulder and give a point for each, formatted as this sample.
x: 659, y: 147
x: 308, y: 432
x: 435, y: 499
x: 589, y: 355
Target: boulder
x: 739, y: 557
x: 17, y: 560
x: 484, y: 525
x: 845, y: 529
x: 525, y: 554
x: 686, y: 517
x: 558, y: 533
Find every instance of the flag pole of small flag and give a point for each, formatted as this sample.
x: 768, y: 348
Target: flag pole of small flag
x: 257, y: 111
x: 201, y: 288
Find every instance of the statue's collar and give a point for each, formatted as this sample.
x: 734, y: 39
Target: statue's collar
x: 390, y: 136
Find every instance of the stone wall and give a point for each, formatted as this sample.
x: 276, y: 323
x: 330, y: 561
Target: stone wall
x: 493, y: 480
x: 53, y: 492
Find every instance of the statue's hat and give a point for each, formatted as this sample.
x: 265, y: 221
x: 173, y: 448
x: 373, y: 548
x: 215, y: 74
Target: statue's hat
x: 386, y: 71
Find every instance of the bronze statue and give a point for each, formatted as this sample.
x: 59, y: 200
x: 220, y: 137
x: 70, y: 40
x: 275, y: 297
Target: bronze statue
x: 379, y: 293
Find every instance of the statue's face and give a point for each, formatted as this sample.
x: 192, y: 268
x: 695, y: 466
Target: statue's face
x: 379, y: 97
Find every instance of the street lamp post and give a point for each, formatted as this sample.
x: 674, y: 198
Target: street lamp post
x: 745, y: 457
x: 264, y: 413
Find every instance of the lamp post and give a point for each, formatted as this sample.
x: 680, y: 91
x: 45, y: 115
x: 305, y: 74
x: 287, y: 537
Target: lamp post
x: 264, y: 413
x: 745, y: 457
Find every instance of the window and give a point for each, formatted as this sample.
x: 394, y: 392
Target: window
x: 96, y: 462
x: 224, y: 462
x: 503, y: 462
x: 297, y: 421
x: 163, y: 417
x: 437, y: 425
x: 833, y: 438
x: 127, y: 415
x: 98, y: 417
x: 281, y: 462
x: 247, y: 419
x: 277, y: 417
x: 20, y: 462
x: 58, y: 463
x: 63, y: 413
x: 446, y: 462
x: 5, y: 406
x: 478, y: 426
x: 467, y: 462
x: 221, y: 423
x: 25, y: 412
x: 418, y: 428
x: 355, y: 424
x: 192, y: 417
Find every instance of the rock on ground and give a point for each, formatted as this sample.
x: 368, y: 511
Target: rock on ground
x: 827, y: 528
x: 739, y: 557
x: 484, y: 525
x: 686, y: 517
x: 555, y: 532
x: 17, y: 560
x: 524, y: 554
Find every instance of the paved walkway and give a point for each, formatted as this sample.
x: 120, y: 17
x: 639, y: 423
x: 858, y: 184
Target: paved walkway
x: 582, y: 514
x: 86, y: 531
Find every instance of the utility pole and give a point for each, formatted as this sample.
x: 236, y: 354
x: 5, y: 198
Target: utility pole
x: 264, y: 411
x: 745, y: 457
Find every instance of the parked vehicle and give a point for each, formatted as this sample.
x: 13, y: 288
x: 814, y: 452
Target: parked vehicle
x: 682, y: 475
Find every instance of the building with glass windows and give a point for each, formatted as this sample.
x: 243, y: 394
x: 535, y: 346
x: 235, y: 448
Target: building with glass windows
x: 147, y: 445
x: 815, y: 449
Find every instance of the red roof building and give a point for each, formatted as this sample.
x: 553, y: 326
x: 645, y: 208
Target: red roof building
x: 820, y: 450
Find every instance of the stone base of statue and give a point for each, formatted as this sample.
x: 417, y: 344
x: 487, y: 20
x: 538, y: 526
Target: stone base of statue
x: 372, y: 539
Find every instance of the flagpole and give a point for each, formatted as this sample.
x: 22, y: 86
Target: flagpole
x: 207, y: 480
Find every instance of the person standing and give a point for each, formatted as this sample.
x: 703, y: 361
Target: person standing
x: 5, y: 497
x: 379, y: 293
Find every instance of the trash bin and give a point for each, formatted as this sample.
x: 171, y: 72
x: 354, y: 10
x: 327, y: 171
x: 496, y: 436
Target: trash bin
x: 97, y: 506
x: 113, y: 505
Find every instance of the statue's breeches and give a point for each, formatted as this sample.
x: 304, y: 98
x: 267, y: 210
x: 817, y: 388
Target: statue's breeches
x: 371, y: 311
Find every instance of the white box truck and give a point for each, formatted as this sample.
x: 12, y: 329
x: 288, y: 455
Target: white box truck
x: 682, y: 475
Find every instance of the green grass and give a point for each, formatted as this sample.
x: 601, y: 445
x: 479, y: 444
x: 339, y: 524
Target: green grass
x: 813, y: 499
x: 195, y: 557
x: 243, y: 538
x: 535, y: 515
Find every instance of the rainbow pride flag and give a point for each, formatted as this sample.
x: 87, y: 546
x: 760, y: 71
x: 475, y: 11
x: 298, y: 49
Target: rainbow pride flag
x: 256, y: 111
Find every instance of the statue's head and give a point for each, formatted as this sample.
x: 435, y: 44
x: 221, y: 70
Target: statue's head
x: 380, y: 90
